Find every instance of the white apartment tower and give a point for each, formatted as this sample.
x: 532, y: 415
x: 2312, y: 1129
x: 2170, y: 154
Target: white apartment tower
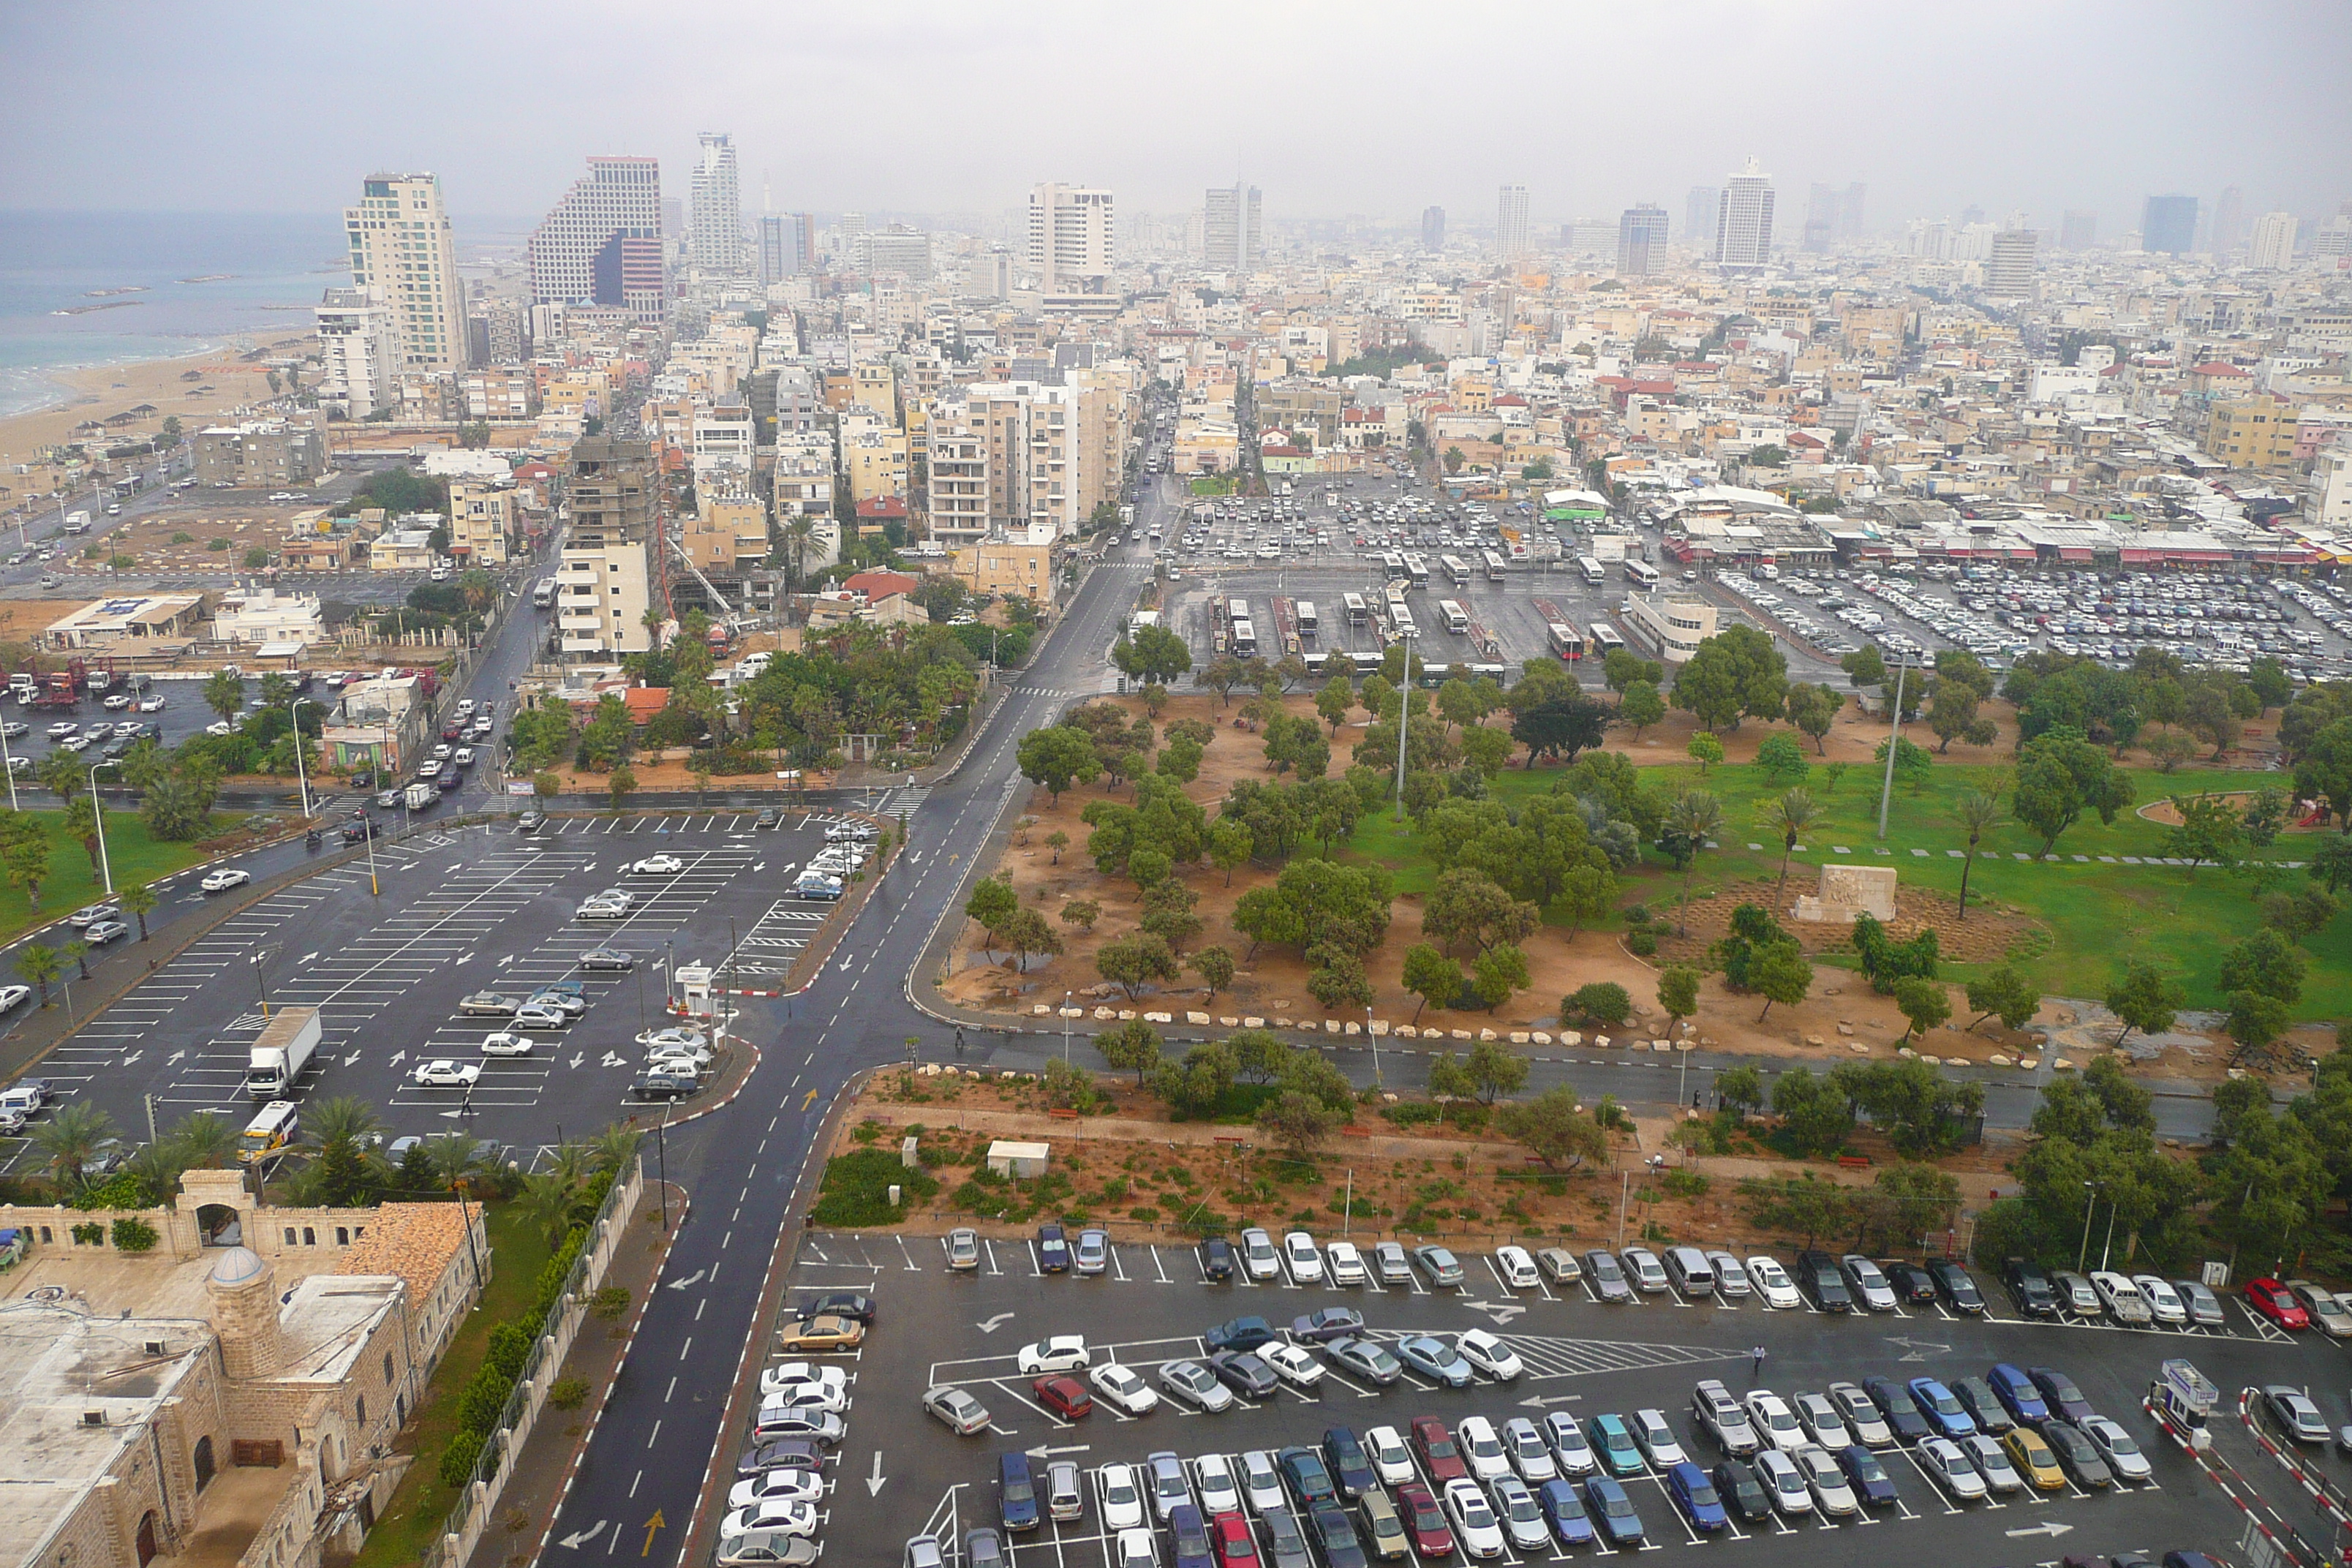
x: 717, y: 211
x: 2272, y: 249
x: 2009, y: 270
x: 1743, y: 221
x: 404, y: 250
x: 1511, y: 223
x: 358, y: 344
x: 1070, y: 238
x: 1229, y: 229
x: 602, y: 245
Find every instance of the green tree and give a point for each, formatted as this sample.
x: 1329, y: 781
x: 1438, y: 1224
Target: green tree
x: 2145, y: 999
x: 1468, y: 906
x: 1781, y: 973
x: 1134, y: 1046
x: 619, y: 785
x: 1865, y: 667
x: 225, y: 693
x: 2059, y: 777
x: 1780, y: 759
x: 1925, y: 1003
x: 1136, y: 961
x: 1678, y: 992
x: 1027, y: 936
x: 1298, y: 1124
x: 1196, y: 1085
x: 2266, y: 963
x: 1691, y: 823
x: 1622, y: 668
x: 2210, y: 829
x: 1706, y: 750
x: 1431, y: 976
x: 1153, y: 654
x: 1499, y: 971
x: 1735, y: 674
x: 992, y: 904
x: 1493, y: 1071
x: 1786, y: 819
x: 1057, y: 756
x: 1229, y: 845
x: 1215, y: 965
x: 1455, y: 459
x: 1741, y: 1089
x: 1640, y: 706
x: 1813, y: 710
x: 1815, y: 1117
x: 1081, y: 914
x: 1600, y: 1001
x: 2323, y: 767
x: 68, y: 1139
x: 1555, y: 1129
x: 1977, y: 812
x: 2331, y: 863
x: 2005, y: 993
x: 1334, y: 701
x: 37, y: 963
x: 2256, y: 1022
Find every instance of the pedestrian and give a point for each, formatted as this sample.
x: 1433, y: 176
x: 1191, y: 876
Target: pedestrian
x: 1756, y: 1364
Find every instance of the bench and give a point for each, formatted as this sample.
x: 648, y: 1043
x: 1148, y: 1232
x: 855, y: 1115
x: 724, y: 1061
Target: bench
x: 1854, y: 1162
x: 1061, y: 1113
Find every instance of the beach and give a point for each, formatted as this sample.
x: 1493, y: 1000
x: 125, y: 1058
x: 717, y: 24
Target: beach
x: 225, y: 383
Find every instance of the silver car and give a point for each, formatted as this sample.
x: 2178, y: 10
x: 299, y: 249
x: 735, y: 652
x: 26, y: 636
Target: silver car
x: 1949, y: 1466
x: 1196, y: 1386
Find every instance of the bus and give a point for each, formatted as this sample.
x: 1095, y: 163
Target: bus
x: 1237, y: 609
x: 1641, y: 573
x: 1564, y: 640
x: 1307, y: 622
x: 1391, y: 565
x: 1605, y: 640
x: 1396, y: 607
x: 1357, y: 612
x: 1416, y: 569
x: 1457, y: 570
x: 276, y: 1125
x: 1594, y: 572
x: 1457, y: 619
x: 542, y: 594
x: 1493, y: 560
x: 1245, y: 639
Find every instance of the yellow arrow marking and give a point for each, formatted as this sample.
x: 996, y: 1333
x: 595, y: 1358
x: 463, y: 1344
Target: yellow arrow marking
x: 810, y: 1100
x: 651, y: 1525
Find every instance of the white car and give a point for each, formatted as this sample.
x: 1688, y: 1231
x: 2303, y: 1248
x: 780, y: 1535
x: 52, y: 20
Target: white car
x: 1783, y: 1482
x: 1474, y: 1525
x: 1123, y: 1499
x: 1833, y: 1493
x: 151, y: 705
x: 223, y: 881
x: 1306, y: 1262
x: 1568, y: 1444
x: 1259, y: 1260
x: 1774, y: 1422
x: 771, y: 1485
x: 12, y: 995
x: 1212, y: 1479
x: 830, y: 1398
x: 2161, y: 1297
x: 1773, y: 1283
x: 1063, y: 1352
x: 658, y: 865
x: 1346, y: 1263
x: 1196, y: 1386
x: 1391, y: 1460
x: 1517, y: 1266
x: 1985, y: 1454
x: 1482, y: 1447
x: 443, y: 1073
x: 780, y: 1382
x: 1822, y: 1419
x: 1134, y: 1548
x: 1292, y: 1364
x: 2115, y: 1447
x: 1262, y: 1483
x: 1488, y: 1354
x: 1124, y: 1387
x: 785, y: 1516
x: 1948, y: 1465
x: 506, y: 1043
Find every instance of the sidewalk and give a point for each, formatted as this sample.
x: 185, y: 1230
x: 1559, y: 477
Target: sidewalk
x: 542, y: 1473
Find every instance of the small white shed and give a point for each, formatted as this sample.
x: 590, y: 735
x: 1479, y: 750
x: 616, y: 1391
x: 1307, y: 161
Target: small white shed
x: 1008, y: 1158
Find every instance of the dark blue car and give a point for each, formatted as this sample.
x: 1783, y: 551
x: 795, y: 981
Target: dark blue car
x: 1565, y: 1510
x: 1337, y: 1536
x: 1871, y: 1481
x: 1192, y: 1548
x: 1349, y: 1465
x: 1608, y: 1502
x: 2018, y: 1395
x: 1894, y: 1403
x: 1943, y: 1409
x: 1053, y: 1249
x: 1695, y: 1495
x: 1016, y: 1493
x: 1241, y: 1335
x: 1310, y: 1483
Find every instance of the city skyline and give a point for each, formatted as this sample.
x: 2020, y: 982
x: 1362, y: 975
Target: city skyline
x: 2100, y: 139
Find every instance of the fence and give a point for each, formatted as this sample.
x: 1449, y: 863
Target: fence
x: 479, y: 1499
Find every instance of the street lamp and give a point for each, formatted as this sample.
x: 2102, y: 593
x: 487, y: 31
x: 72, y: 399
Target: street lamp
x: 8, y: 763
x: 301, y: 775
x: 1893, y: 742
x: 97, y: 820
x: 2082, y: 1252
x: 1404, y: 716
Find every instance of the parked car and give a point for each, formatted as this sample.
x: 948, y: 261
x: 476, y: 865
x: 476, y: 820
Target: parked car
x: 1609, y: 1282
x: 1983, y: 1405
x: 1216, y: 1259
x: 1868, y: 1285
x: 1613, y: 1511
x: 2029, y: 1289
x: 959, y: 1412
x: 1949, y: 1466
x: 1323, y: 1324
x: 1439, y: 1264
x: 1196, y: 1386
x: 1559, y: 1265
x: 2078, y: 1456
x: 1366, y: 1359
x: 1053, y: 1250
x: 2294, y: 1413
x: 1942, y: 1408
x: 1392, y: 1263
x: 1867, y: 1475
x: 1434, y: 1359
x: 1441, y: 1457
x: 1123, y: 1387
x: 2065, y: 1401
x: 1244, y: 1333
x: 1862, y: 1416
x: 2272, y: 1301
x: 1902, y: 1411
x: 2122, y: 1299
x: 1823, y: 1286
x: 1955, y: 1289
x: 1487, y: 1355
x: 1772, y: 1282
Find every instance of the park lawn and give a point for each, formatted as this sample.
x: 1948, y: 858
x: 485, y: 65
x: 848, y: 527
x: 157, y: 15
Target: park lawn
x: 413, y: 1521
x: 135, y: 855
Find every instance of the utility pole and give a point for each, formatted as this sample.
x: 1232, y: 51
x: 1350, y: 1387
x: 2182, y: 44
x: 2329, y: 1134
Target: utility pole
x: 1894, y: 745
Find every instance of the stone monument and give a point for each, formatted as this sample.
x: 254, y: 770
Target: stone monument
x: 1847, y: 892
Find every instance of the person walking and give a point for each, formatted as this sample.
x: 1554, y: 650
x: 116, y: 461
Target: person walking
x: 1755, y: 1362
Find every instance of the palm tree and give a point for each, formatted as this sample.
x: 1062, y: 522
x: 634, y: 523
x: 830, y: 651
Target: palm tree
x: 225, y: 694
x: 137, y: 899
x: 1977, y: 811
x: 38, y: 963
x: 459, y: 1161
x: 62, y: 775
x: 1787, y: 817
x: 67, y: 1140
x: 204, y: 1142
x: 547, y: 1198
x: 78, y: 952
x: 614, y: 1147
x: 1695, y: 817
x: 342, y: 1121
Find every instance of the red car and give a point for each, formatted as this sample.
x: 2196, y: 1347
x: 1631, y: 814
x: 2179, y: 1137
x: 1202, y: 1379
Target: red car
x: 1439, y: 1455
x: 1065, y: 1396
x: 1424, y: 1522
x: 2276, y: 1302
x: 1236, y: 1547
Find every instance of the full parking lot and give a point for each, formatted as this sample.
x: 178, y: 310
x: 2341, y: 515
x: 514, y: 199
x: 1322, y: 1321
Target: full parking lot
x: 1153, y: 1304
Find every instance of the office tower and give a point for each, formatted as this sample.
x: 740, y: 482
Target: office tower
x: 1433, y: 229
x: 1229, y: 228
x: 1822, y: 209
x: 1641, y: 240
x: 2080, y: 231
x: 787, y: 245
x: 1743, y: 222
x: 2169, y: 224
x: 602, y: 245
x: 718, y: 228
x: 899, y: 249
x: 2229, y: 221
x: 2008, y: 271
x: 1071, y: 245
x: 1850, y: 213
x: 2272, y: 246
x: 1511, y: 223
x: 404, y: 251
x: 1700, y: 214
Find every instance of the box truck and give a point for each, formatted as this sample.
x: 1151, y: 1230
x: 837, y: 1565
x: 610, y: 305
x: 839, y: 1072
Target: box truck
x: 281, y: 1053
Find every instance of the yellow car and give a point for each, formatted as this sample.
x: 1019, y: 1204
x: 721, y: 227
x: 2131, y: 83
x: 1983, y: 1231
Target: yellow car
x: 2033, y: 1459
x: 828, y: 1333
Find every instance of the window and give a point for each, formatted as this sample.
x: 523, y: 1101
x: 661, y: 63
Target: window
x: 289, y: 1235
x: 342, y: 1235
x: 387, y: 1369
x: 310, y: 1236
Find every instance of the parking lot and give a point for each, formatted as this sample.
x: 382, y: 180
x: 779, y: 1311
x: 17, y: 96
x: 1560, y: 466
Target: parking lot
x: 1153, y: 1304
x: 485, y: 909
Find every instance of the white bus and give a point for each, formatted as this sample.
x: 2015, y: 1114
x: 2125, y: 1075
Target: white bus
x: 1641, y: 573
x: 1564, y: 640
x: 1594, y: 572
x: 1457, y: 570
x: 542, y: 594
x: 1397, y: 610
x: 1605, y: 640
x: 1416, y: 569
x: 1237, y: 609
x: 1307, y: 623
x: 1244, y: 640
x: 1357, y: 612
x: 1457, y: 619
x: 1493, y: 560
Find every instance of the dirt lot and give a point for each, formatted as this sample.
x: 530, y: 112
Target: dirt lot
x: 196, y: 536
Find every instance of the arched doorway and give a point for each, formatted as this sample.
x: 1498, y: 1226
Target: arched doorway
x: 218, y: 1226
x: 203, y: 1457
x: 147, y: 1548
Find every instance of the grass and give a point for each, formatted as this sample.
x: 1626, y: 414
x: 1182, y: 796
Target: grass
x: 413, y: 1521
x: 135, y: 855
x: 2097, y: 914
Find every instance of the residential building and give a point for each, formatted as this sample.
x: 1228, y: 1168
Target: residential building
x: 1020, y: 566
x: 1641, y: 241
x: 1700, y: 209
x: 499, y: 330
x: 602, y: 243
x: 604, y: 582
x: 1433, y: 229
x: 407, y: 547
x: 875, y: 461
x: 728, y: 532
x: 2169, y: 224
x: 508, y: 393
x: 1670, y: 627
x: 2079, y: 230
x: 716, y: 230
x: 402, y: 247
x: 482, y: 520
x: 1071, y: 246
x: 1743, y: 223
x: 2331, y: 490
x: 2272, y: 246
x: 1511, y: 223
x: 1230, y: 229
x: 259, y: 454
x: 257, y: 616
x: 2251, y: 432
x: 958, y: 485
x: 359, y: 347
x: 2008, y: 271
x: 127, y: 620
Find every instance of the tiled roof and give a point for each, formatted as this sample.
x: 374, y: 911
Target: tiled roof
x: 413, y: 1241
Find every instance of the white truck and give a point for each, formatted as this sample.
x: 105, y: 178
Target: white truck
x: 281, y: 1053
x: 77, y: 522
x: 420, y: 795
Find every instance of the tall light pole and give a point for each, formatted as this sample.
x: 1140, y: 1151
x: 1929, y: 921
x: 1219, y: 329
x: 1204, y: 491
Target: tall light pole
x: 1893, y: 744
x: 2082, y: 1252
x: 1066, y: 1027
x: 302, y: 775
x: 1404, y: 716
x: 8, y: 763
x: 97, y: 820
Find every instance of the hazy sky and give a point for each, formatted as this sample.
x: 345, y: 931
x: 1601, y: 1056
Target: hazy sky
x: 1368, y: 108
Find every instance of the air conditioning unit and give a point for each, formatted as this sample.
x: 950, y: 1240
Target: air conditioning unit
x: 93, y: 1417
x: 156, y: 1347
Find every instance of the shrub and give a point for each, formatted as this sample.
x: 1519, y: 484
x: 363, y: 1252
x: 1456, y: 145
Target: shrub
x: 1683, y: 1184
x: 133, y: 1234
x: 568, y: 1393
x: 90, y: 1234
x: 1413, y: 1113
x: 609, y: 1303
x: 458, y: 1458
x: 855, y: 1193
x: 1644, y: 944
x: 1603, y: 1002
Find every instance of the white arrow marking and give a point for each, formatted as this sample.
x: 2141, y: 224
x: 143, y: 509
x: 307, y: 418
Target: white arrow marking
x: 874, y: 1482
x: 1911, y: 1344
x: 306, y: 957
x: 761, y: 866
x: 682, y: 1284
x: 505, y: 959
x: 133, y: 1057
x: 994, y: 1323
x: 845, y: 965
x: 580, y: 1538
x: 176, y: 1055
x: 1539, y: 1401
x: 2047, y: 1527
x: 1501, y: 1311
x: 349, y: 1059
x: 449, y: 1115
x: 396, y: 1056
x: 463, y: 958
x: 579, y: 1059
x: 612, y: 1060
x: 1071, y: 1448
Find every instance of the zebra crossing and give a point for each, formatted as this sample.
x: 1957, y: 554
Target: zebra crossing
x: 768, y: 947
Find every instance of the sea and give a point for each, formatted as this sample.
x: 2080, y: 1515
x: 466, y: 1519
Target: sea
x: 174, y: 283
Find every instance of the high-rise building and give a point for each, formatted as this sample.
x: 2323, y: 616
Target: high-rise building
x: 2229, y: 222
x: 1700, y: 214
x: 899, y: 249
x: 1433, y: 229
x: 2272, y: 248
x: 717, y: 211
x: 602, y: 245
x: 1511, y: 223
x: 1229, y: 234
x: 2079, y: 231
x: 1071, y: 238
x: 1850, y: 213
x: 356, y: 343
x: 1743, y: 221
x: 782, y: 241
x: 605, y: 582
x: 404, y: 251
x: 2169, y: 224
x: 1641, y: 240
x: 2009, y: 270
x: 1821, y: 207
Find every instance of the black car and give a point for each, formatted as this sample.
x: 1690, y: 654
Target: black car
x: 1241, y: 1335
x: 854, y: 1305
x: 769, y: 817
x: 1984, y: 1406
x: 2058, y: 1391
x: 1217, y: 1259
x: 1343, y: 1453
x: 2029, y: 1289
x: 1822, y: 1282
x: 1869, y: 1476
x: 2078, y: 1456
x: 1955, y: 1289
x: 1053, y: 1249
x: 1337, y: 1536
x: 358, y: 830
x: 663, y: 1086
x: 1244, y: 1373
x: 780, y: 1454
x: 1902, y: 1411
x: 1736, y: 1484
x: 1914, y: 1285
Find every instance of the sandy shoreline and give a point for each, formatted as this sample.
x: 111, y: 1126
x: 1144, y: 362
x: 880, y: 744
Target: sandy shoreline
x: 98, y: 392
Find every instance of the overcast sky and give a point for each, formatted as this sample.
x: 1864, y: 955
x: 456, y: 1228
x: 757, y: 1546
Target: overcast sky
x: 1365, y: 108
